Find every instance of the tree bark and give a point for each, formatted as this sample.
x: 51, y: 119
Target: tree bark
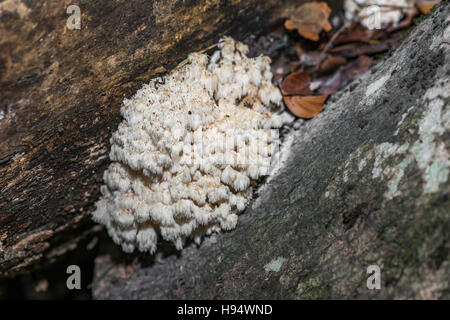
x: 60, y: 96
x: 364, y: 183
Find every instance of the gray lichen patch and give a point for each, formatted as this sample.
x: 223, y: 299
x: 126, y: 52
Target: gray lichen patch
x: 377, y: 85
x: 431, y: 155
x: 423, y: 146
x: 275, y: 265
x: 440, y: 40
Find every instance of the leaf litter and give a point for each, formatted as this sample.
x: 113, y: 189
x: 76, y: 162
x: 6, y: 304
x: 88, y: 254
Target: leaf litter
x: 314, y: 58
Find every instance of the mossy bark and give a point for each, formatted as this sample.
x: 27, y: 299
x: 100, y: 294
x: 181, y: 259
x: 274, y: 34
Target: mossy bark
x: 365, y: 183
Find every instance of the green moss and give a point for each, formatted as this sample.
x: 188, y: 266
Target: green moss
x: 423, y: 17
x: 311, y: 288
x: 420, y: 18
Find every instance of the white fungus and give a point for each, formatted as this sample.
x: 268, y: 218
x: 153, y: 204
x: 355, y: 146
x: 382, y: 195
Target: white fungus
x: 187, y: 149
x: 377, y: 14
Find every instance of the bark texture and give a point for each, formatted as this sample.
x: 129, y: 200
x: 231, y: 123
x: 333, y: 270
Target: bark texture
x: 364, y: 183
x: 60, y: 96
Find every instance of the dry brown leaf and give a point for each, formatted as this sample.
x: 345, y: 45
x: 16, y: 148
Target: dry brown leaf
x: 355, y: 33
x: 425, y: 6
x: 331, y: 63
x: 355, y: 68
x: 353, y: 50
x: 310, y: 19
x: 332, y: 83
x: 405, y: 23
x: 296, y: 83
x: 305, y: 107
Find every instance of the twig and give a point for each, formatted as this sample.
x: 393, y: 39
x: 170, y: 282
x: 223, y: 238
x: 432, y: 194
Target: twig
x: 209, y: 48
x: 330, y: 43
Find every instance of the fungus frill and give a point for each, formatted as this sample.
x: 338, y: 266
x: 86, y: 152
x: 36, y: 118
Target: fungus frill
x: 187, y: 149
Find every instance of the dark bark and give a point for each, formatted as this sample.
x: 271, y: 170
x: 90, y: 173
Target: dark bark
x: 357, y: 189
x: 60, y: 96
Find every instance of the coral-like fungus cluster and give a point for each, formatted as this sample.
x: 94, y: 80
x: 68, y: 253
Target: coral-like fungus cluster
x: 187, y: 149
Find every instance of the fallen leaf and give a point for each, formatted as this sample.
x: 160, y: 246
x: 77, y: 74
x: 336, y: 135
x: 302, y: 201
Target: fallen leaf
x: 296, y: 83
x: 294, y: 65
x: 425, y: 6
x: 331, y: 63
x: 356, y: 68
x: 310, y: 19
x: 305, y: 107
x: 355, y: 33
x: 405, y: 23
x: 331, y: 84
x: 353, y: 50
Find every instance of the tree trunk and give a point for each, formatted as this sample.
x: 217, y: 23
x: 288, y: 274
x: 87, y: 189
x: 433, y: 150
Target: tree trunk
x: 60, y: 96
x: 364, y: 183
